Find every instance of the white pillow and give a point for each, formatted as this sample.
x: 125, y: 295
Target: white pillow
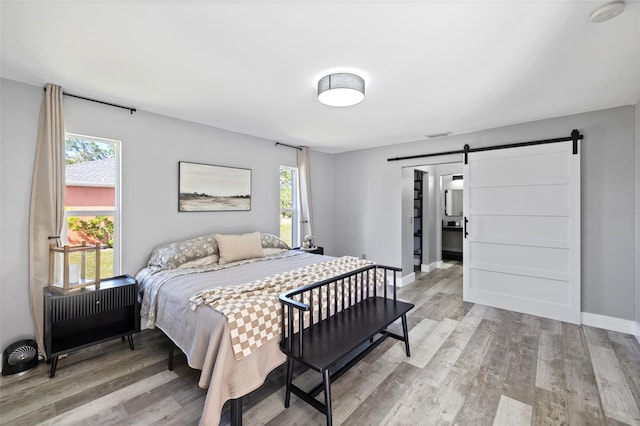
x: 239, y: 247
x: 202, y: 261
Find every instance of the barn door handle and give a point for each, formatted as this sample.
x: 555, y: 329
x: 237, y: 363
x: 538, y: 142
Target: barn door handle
x: 466, y: 221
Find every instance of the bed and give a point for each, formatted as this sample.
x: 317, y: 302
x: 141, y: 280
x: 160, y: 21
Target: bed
x: 177, y: 272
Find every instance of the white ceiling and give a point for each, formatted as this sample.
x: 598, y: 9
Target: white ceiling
x: 252, y: 66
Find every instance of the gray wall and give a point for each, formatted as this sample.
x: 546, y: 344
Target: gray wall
x: 367, y: 199
x: 428, y: 216
x: 637, y: 213
x: 152, y: 145
x: 429, y: 207
x: 321, y: 166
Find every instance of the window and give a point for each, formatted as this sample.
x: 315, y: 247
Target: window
x: 289, y: 219
x: 92, y: 198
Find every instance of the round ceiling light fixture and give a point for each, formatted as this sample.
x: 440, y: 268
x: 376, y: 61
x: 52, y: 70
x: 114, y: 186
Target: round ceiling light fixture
x: 341, y: 89
x: 607, y: 11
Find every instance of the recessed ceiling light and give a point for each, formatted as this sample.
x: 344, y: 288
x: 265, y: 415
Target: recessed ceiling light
x: 607, y: 11
x: 341, y: 89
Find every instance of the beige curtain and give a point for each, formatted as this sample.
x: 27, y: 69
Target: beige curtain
x: 47, y: 200
x: 305, y: 192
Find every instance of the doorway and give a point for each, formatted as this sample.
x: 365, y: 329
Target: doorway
x: 423, y: 216
x: 452, y: 187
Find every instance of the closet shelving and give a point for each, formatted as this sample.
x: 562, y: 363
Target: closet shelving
x: 417, y: 216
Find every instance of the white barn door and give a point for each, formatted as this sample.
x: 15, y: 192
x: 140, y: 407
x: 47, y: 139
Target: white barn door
x: 522, y: 245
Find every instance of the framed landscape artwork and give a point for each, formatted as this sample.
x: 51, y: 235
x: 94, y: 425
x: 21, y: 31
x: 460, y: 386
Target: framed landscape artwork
x: 207, y: 188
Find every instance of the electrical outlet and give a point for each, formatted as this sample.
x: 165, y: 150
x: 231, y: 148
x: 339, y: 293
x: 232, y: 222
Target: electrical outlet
x: 363, y: 256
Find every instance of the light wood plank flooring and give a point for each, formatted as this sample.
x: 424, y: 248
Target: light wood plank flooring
x: 470, y: 365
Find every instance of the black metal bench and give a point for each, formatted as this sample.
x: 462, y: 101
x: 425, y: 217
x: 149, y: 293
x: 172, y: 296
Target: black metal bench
x: 330, y: 334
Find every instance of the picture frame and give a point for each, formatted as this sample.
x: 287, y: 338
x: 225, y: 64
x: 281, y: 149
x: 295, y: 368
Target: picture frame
x: 211, y: 188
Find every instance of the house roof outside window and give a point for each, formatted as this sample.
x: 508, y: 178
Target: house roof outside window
x: 92, y: 173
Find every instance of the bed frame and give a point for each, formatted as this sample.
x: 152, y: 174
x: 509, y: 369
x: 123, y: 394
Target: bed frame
x: 236, y: 403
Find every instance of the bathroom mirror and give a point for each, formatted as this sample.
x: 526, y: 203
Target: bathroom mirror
x: 453, y: 202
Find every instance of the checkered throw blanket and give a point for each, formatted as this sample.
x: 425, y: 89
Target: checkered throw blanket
x: 253, y: 309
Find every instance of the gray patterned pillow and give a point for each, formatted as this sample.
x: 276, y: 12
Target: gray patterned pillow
x: 271, y: 241
x: 172, y: 255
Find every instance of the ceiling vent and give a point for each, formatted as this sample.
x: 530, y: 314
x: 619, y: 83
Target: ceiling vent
x: 438, y: 135
x: 607, y: 11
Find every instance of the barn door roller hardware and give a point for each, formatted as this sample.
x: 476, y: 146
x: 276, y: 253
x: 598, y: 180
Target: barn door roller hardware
x: 575, y: 137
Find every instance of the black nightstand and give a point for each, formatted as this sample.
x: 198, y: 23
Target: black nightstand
x: 314, y: 250
x: 88, y: 316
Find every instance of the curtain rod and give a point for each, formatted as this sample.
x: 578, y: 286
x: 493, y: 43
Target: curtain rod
x: 575, y: 137
x: 130, y: 109
x: 290, y: 146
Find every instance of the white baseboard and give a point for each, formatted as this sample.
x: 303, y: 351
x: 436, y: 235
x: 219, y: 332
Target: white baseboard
x: 430, y: 267
x: 610, y: 323
x: 401, y: 281
x: 637, y: 333
x: 439, y: 264
x: 406, y: 280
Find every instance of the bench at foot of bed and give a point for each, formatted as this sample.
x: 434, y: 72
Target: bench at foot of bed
x: 346, y: 330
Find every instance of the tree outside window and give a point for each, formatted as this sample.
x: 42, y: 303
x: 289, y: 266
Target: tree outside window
x: 289, y: 223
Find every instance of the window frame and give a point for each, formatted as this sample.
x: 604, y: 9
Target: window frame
x: 295, y: 205
x: 116, y: 212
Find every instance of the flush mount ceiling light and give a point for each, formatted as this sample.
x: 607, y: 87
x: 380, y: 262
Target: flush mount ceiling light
x: 607, y: 11
x: 341, y: 89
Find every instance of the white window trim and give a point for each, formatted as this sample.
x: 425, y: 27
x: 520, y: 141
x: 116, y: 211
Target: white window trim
x: 116, y: 213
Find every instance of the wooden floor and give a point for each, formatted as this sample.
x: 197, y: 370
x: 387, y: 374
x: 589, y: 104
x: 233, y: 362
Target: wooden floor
x: 470, y: 365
